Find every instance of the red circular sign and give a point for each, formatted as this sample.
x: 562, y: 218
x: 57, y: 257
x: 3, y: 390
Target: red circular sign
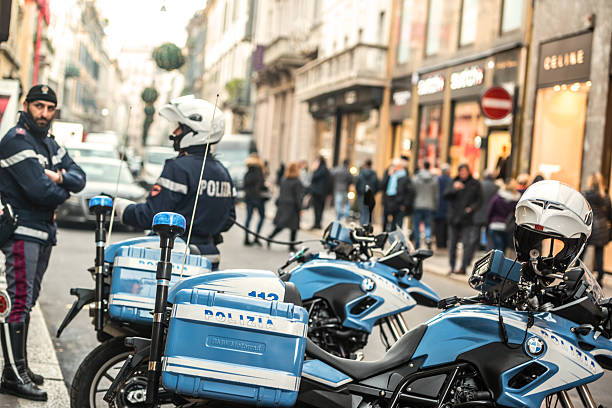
x: 496, y: 103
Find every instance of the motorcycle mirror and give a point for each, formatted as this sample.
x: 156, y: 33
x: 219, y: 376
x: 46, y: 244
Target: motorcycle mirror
x: 422, y: 253
x: 369, y: 201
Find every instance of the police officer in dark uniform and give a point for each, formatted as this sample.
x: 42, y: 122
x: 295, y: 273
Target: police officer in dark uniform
x: 198, y: 123
x: 36, y: 175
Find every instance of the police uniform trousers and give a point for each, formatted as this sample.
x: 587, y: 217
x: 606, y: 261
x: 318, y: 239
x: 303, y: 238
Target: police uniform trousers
x: 26, y: 263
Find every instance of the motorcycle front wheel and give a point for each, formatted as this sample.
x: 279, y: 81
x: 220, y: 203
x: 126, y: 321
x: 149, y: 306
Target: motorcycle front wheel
x: 97, y: 372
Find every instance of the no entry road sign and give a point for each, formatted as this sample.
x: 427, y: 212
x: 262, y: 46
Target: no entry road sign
x: 496, y: 103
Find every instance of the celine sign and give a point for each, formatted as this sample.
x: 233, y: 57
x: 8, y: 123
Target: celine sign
x: 431, y: 85
x: 471, y: 76
x: 565, y: 60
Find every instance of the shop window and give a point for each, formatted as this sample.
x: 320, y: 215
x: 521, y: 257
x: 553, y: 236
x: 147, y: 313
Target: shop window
x: 434, y: 25
x: 498, y: 147
x: 366, y: 136
x: 325, y: 137
x: 558, y: 132
x: 469, y: 21
x: 512, y: 15
x: 403, y: 45
x: 429, y: 135
x: 468, y: 131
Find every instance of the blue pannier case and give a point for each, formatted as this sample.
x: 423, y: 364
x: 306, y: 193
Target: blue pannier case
x: 133, y: 284
x: 234, y: 348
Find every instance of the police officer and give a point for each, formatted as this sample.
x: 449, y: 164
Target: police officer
x: 36, y: 175
x: 198, y: 123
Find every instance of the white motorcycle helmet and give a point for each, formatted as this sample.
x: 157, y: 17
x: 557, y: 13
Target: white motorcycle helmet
x: 201, y: 122
x: 553, y: 222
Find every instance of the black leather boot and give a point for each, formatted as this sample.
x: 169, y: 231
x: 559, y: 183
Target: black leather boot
x: 15, y: 378
x: 36, y: 378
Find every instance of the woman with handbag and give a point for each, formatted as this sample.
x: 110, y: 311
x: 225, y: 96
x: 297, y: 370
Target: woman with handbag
x: 602, y: 217
x: 254, y: 195
x: 289, y: 204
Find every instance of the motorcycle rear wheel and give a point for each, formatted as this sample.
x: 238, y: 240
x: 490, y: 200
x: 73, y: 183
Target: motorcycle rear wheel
x: 96, y: 373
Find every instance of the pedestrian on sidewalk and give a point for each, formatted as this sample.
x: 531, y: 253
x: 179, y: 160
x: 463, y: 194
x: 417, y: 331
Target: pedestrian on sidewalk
x: 254, y: 188
x: 425, y: 202
x: 602, y: 218
x: 500, y: 212
x: 318, y: 189
x: 366, y: 178
x: 289, y: 204
x: 488, y: 188
x: 464, y: 197
x: 342, y: 179
x: 398, y: 195
x: 36, y: 176
x: 441, y: 214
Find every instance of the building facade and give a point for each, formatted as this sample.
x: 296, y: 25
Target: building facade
x: 446, y: 53
x: 194, y: 60
x: 283, y: 126
x: 227, y: 60
x: 343, y: 86
x: 567, y: 127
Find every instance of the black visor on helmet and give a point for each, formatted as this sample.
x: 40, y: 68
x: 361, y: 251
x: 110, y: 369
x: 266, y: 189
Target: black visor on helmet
x: 555, y: 252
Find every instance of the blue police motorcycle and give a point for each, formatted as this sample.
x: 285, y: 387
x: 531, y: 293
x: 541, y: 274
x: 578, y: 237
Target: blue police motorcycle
x: 347, y: 291
x: 125, y: 291
x: 523, y: 341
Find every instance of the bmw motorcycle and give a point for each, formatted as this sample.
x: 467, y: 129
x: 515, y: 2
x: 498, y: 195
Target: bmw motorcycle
x: 347, y: 291
x: 524, y: 340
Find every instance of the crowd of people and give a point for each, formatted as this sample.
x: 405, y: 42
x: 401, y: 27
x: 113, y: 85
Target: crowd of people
x: 442, y: 210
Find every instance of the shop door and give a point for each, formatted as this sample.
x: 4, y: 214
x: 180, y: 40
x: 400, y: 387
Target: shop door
x: 468, y: 125
x: 430, y: 120
x: 498, y: 146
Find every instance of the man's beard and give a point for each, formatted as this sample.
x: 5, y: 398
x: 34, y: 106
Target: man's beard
x: 42, y: 128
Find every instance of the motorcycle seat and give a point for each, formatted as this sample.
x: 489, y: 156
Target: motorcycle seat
x: 400, y: 353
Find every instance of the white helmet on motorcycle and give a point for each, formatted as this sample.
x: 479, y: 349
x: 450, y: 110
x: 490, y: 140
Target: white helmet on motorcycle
x: 553, y: 222
x: 201, y: 122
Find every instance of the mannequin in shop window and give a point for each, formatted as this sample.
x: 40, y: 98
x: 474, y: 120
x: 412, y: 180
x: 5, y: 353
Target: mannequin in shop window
x: 502, y: 168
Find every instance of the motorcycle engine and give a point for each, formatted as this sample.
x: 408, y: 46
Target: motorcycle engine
x: 326, y: 331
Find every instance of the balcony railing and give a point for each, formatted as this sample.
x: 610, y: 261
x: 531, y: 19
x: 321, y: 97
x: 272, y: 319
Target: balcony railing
x: 284, y: 50
x: 362, y: 64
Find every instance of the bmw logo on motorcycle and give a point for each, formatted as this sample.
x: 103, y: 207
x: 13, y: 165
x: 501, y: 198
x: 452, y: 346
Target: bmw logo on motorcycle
x: 535, y: 346
x: 367, y: 285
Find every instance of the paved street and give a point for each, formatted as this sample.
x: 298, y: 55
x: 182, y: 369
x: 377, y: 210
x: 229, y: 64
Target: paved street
x: 75, y: 254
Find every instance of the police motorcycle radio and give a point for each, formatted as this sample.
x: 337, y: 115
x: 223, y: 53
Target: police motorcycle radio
x: 101, y: 206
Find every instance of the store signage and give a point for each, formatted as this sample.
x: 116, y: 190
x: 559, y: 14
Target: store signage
x: 401, y: 97
x: 350, y: 97
x: 471, y: 76
x: 566, y: 60
x: 430, y: 85
x: 496, y: 103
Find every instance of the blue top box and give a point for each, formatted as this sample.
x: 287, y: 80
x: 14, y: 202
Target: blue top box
x: 133, y: 285
x: 235, y: 348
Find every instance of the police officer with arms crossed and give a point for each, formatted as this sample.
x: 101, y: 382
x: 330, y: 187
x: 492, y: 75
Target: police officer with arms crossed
x: 175, y: 190
x: 36, y: 175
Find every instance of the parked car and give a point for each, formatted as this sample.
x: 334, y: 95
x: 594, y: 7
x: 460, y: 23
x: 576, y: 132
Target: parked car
x: 101, y: 179
x: 82, y: 150
x: 153, y: 161
x: 232, y: 151
x: 108, y: 138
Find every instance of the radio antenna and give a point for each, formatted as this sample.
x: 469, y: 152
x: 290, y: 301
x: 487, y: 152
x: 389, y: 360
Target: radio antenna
x: 195, y: 203
x: 112, y: 217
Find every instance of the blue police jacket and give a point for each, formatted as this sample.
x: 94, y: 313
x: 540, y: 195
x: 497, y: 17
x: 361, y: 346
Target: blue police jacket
x: 25, y: 152
x: 175, y: 191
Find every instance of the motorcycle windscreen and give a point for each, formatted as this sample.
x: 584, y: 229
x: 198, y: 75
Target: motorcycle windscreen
x: 240, y: 349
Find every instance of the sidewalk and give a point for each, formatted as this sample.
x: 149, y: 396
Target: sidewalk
x: 42, y: 360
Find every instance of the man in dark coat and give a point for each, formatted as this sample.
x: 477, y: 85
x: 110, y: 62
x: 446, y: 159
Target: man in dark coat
x: 367, y: 177
x: 488, y: 189
x: 464, y: 197
x: 254, y: 187
x: 398, y: 195
x: 441, y: 214
x: 289, y: 204
x: 319, y: 189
